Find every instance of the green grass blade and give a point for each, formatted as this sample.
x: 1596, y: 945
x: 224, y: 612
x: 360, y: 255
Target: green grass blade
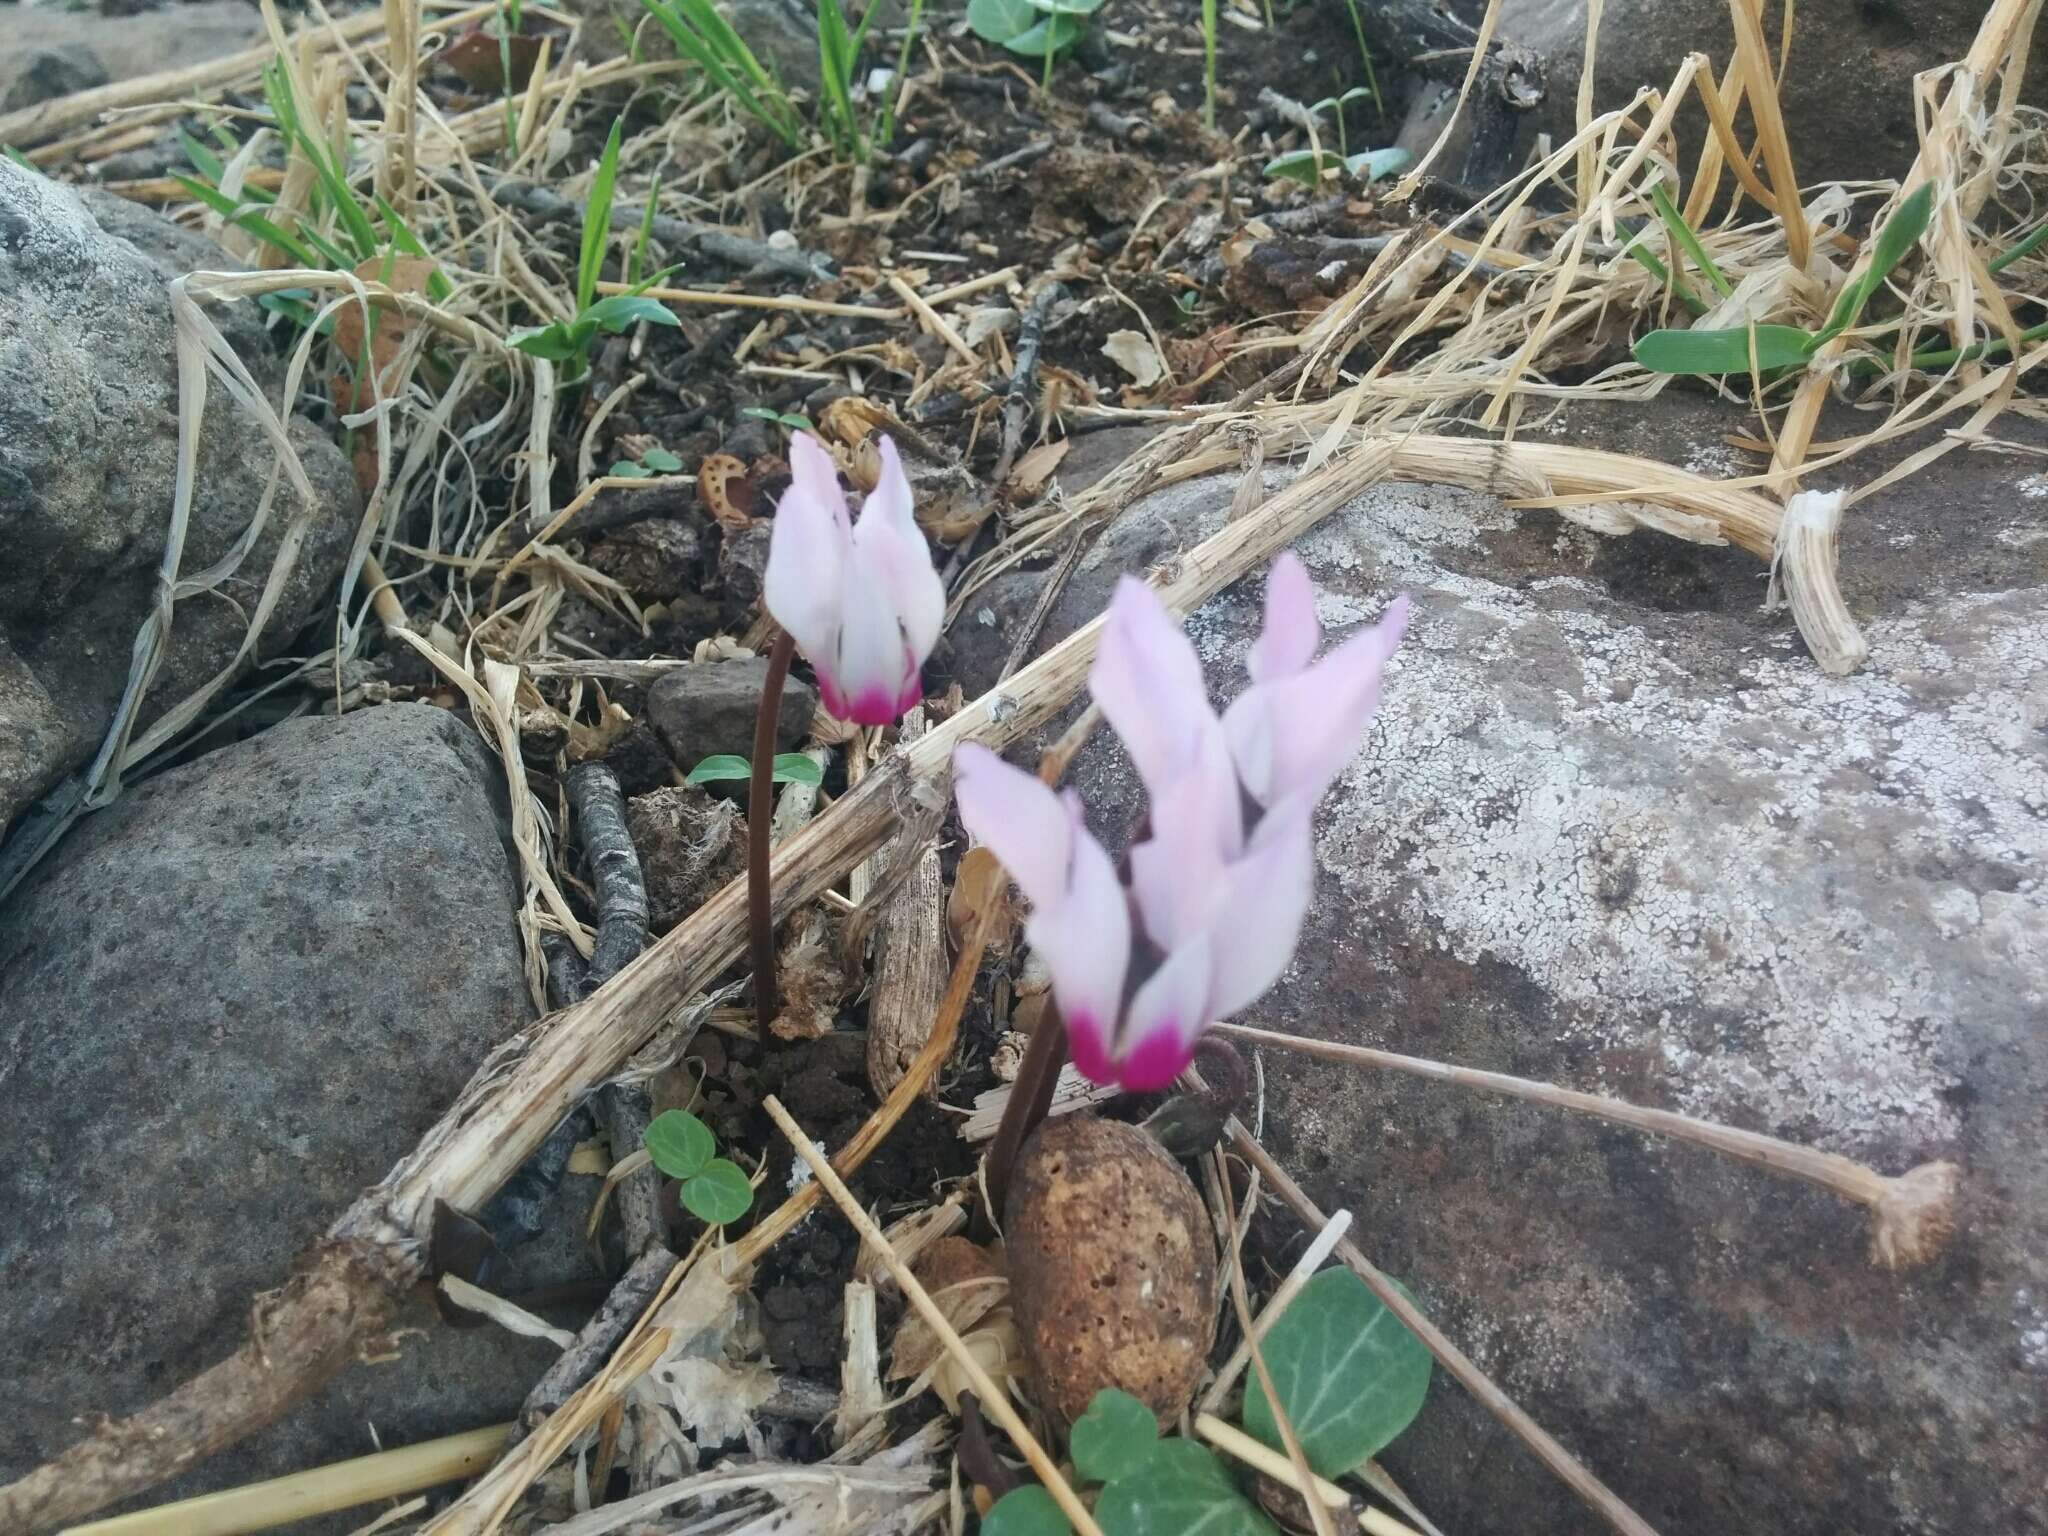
x: 1682, y: 232
x: 1900, y: 233
x: 1723, y: 351
x: 248, y: 219
x: 2024, y: 248
x: 1662, y: 273
x: 597, y: 219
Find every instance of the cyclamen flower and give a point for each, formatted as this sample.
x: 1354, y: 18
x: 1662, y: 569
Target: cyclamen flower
x: 1214, y: 908
x: 861, y: 600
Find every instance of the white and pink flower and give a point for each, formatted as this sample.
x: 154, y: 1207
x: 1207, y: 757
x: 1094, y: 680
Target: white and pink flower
x: 861, y: 600
x: 1214, y: 907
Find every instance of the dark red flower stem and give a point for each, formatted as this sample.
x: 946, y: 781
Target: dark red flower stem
x: 760, y: 812
x: 1030, y: 1099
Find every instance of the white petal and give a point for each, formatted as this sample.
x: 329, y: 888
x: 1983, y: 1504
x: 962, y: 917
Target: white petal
x: 1266, y: 897
x: 872, y: 665
x: 1017, y: 818
x: 808, y: 549
x: 1086, y: 941
x: 1149, y: 683
x: 889, y: 543
x: 1288, y: 641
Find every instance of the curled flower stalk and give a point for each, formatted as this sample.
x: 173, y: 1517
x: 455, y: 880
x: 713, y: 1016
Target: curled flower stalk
x: 1218, y: 890
x: 863, y: 604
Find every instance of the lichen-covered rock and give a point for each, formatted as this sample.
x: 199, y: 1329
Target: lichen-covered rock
x: 88, y: 452
x: 228, y: 1003
x: 1614, y: 828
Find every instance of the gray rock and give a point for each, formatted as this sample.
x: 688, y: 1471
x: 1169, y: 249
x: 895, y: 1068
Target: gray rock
x: 88, y: 445
x: 1615, y: 829
x: 708, y: 709
x: 653, y: 559
x: 228, y: 1003
x: 1847, y: 93
x: 47, y: 73
x: 168, y: 38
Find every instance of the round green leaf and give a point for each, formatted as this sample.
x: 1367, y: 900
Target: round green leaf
x: 997, y: 21
x: 626, y: 469
x: 661, y: 459
x: 719, y: 1194
x: 720, y: 765
x: 1349, y: 1374
x: 1026, y: 1511
x: 1180, y: 1489
x: 1113, y: 1437
x: 680, y: 1144
x: 1055, y: 33
x: 796, y: 768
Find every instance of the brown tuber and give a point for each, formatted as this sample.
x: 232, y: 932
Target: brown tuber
x: 1112, y: 1267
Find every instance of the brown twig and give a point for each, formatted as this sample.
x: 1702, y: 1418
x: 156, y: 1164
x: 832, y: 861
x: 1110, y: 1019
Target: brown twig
x: 760, y: 804
x: 1030, y: 1097
x: 597, y: 1339
x: 1022, y: 394
x: 1911, y: 1215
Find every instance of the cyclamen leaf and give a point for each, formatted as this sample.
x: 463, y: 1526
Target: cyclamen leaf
x: 623, y: 309
x: 661, y: 459
x: 680, y: 1144
x: 1181, y: 1489
x: 626, y: 469
x: 1113, y: 1437
x: 1056, y: 32
x: 719, y: 1194
x: 1723, y: 351
x: 1350, y: 1375
x: 997, y: 21
x: 1026, y: 1511
x: 719, y: 766
x: 795, y: 768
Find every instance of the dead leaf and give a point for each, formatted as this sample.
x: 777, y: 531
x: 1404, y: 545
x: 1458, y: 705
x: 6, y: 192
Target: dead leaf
x: 1036, y: 467
x: 725, y: 491
x: 475, y: 60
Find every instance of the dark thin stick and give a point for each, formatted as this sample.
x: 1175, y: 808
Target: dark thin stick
x: 1030, y: 1099
x: 1022, y: 395
x: 760, y: 811
x: 614, y: 871
x: 598, y: 1337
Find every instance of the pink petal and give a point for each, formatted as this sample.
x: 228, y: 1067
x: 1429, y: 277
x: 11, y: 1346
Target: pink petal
x: 1166, y: 1017
x: 899, y: 559
x: 872, y: 665
x: 1289, y: 640
x: 1177, y: 874
x: 1291, y: 737
x: 808, y: 548
x: 1258, y: 922
x: 1017, y: 818
x: 1086, y: 941
x: 1149, y: 683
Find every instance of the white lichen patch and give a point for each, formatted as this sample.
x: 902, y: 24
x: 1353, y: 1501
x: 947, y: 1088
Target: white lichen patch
x: 1789, y: 889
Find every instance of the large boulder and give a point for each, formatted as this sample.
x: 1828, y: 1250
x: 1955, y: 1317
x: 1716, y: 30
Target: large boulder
x: 1847, y: 85
x: 228, y: 1003
x: 88, y: 454
x: 1614, y: 828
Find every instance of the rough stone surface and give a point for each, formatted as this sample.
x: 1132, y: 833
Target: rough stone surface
x: 690, y: 845
x: 1614, y: 828
x: 1847, y: 91
x: 168, y: 38
x: 655, y: 559
x: 47, y: 73
x: 707, y: 709
x: 88, y: 446
x: 228, y: 1003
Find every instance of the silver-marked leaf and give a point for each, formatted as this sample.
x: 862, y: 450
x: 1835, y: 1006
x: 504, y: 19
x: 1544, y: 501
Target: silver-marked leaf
x: 1350, y: 1376
x: 1180, y: 1489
